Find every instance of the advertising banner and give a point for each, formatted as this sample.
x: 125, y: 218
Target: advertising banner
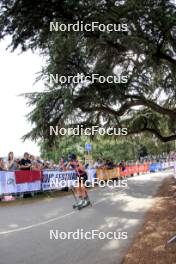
x: 7, y: 182
x: 27, y: 176
x: 57, y: 179
x: 28, y: 187
x: 108, y: 174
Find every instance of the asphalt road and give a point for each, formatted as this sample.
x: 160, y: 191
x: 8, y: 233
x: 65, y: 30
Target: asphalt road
x: 25, y: 229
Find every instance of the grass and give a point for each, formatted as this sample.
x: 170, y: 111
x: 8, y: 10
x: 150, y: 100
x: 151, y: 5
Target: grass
x: 37, y: 197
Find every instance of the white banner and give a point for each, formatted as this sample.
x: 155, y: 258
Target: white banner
x: 57, y: 179
x: 28, y: 187
x: 7, y: 182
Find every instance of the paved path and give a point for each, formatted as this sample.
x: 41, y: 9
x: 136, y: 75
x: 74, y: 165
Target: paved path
x: 25, y: 229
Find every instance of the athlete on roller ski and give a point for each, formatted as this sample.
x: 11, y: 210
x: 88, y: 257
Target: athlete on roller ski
x: 80, y: 189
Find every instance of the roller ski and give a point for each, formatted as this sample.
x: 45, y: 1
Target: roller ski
x: 82, y: 204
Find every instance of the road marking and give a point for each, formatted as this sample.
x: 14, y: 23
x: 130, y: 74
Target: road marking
x: 35, y: 225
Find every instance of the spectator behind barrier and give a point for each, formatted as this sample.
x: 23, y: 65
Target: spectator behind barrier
x: 36, y: 166
x: 109, y: 164
x: 2, y: 165
x: 52, y: 165
x: 12, y: 165
x: 122, y: 165
x: 25, y: 163
x: 46, y: 165
x: 98, y: 164
x: 62, y: 164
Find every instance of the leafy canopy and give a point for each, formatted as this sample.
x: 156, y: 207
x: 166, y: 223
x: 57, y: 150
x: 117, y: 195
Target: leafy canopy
x: 146, y: 53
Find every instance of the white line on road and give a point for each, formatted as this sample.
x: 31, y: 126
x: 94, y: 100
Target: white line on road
x: 46, y: 222
x: 35, y: 225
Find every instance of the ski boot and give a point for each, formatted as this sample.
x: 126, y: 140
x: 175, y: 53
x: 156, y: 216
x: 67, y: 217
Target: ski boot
x: 78, y: 204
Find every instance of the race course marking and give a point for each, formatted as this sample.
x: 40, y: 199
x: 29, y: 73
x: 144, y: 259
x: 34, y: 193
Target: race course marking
x: 35, y: 225
x: 45, y: 222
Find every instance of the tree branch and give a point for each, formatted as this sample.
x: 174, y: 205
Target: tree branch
x: 154, y: 132
x: 154, y: 106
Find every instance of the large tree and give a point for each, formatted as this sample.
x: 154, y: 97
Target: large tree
x: 146, y: 53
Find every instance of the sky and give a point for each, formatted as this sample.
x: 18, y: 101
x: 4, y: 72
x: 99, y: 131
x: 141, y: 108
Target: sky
x: 17, y: 75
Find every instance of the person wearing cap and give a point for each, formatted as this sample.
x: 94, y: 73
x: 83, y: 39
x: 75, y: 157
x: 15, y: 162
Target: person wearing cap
x: 25, y: 163
x: 46, y: 165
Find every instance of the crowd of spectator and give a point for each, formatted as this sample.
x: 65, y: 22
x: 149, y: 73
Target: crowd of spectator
x: 30, y: 162
x: 27, y: 162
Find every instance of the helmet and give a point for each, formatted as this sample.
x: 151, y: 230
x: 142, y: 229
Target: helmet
x: 72, y: 156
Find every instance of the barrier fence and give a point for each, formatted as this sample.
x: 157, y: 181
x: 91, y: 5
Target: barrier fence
x: 30, y: 181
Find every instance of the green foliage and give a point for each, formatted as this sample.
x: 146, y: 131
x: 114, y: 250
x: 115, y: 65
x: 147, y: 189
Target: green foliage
x: 122, y: 149
x: 146, y: 53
